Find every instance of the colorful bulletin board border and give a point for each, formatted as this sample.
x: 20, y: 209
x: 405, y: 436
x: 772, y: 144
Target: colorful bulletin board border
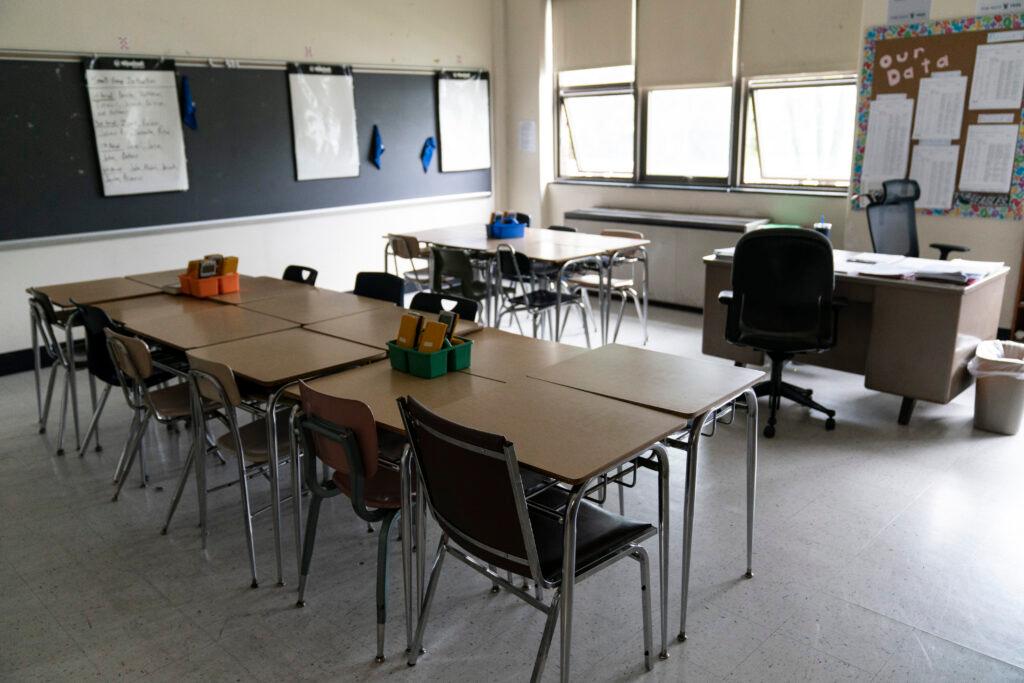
x: 1010, y: 207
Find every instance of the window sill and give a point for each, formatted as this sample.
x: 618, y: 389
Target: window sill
x: 801, y: 192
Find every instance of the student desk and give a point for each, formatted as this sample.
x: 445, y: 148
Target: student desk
x: 687, y: 389
x: 206, y: 327
x: 310, y: 305
x: 160, y: 278
x: 379, y: 325
x: 573, y: 436
x: 553, y: 246
x: 128, y: 311
x: 907, y: 337
x: 276, y: 361
x: 95, y: 291
x: 505, y: 356
x: 256, y: 288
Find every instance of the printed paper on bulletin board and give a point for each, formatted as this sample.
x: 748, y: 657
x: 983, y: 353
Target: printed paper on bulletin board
x: 895, y: 60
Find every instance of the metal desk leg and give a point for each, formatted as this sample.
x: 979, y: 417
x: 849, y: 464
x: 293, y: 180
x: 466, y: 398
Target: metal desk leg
x: 421, y: 538
x: 36, y: 363
x: 275, y: 494
x: 692, y: 453
x: 406, y: 502
x: 69, y: 336
x: 663, y: 541
x: 296, y: 475
x: 751, y: 399
x: 201, y: 453
x: 572, y: 509
x: 645, y: 291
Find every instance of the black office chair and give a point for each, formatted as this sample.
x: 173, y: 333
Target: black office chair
x: 523, y: 218
x: 892, y: 221
x: 303, y: 274
x: 782, y: 303
x: 383, y: 286
x: 431, y: 302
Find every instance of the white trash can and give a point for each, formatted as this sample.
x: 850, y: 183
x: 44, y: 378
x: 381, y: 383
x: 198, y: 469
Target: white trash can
x: 999, y: 398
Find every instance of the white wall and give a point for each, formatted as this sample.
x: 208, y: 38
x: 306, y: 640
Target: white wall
x: 431, y: 33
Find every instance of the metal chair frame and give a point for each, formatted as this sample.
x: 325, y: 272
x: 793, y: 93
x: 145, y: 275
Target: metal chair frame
x: 419, y: 275
x: 62, y: 357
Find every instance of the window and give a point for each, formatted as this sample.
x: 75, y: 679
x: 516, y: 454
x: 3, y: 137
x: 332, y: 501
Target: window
x: 595, y: 123
x: 799, y: 132
x: 689, y: 132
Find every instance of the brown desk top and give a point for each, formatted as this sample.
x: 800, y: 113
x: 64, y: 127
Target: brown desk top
x: 543, y: 245
x: 279, y: 357
x: 564, y: 433
x: 256, y: 288
x: 378, y: 326
x: 128, y: 311
x: 505, y: 356
x: 379, y: 386
x: 310, y: 305
x: 161, y: 278
x: 685, y: 387
x: 95, y: 291
x: 207, y: 327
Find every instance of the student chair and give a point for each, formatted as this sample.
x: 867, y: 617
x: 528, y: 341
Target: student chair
x: 561, y: 228
x: 526, y: 295
x: 342, y: 435
x: 302, y: 274
x: 892, y: 221
x: 383, y: 286
x: 432, y: 302
x: 455, y: 270
x: 625, y: 287
x: 410, y: 249
x: 214, y: 394
x: 63, y: 357
x: 782, y: 303
x: 486, y: 522
x: 133, y: 363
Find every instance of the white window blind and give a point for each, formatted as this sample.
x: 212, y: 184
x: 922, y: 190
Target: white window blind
x: 592, y: 33
x: 684, y: 42
x: 799, y: 36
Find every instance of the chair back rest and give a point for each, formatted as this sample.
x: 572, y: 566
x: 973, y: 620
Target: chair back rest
x: 511, y: 263
x: 628, y: 234
x: 783, y: 283
x: 45, y: 306
x: 96, y: 322
x: 44, y: 318
x: 303, y: 274
x: 453, y: 263
x: 473, y: 487
x: 215, y: 381
x: 131, y: 357
x: 383, y: 286
x: 432, y: 302
x: 561, y: 228
x: 892, y: 221
x: 523, y: 218
x: 332, y: 425
x: 405, y: 246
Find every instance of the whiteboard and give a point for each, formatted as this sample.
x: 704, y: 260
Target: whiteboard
x: 134, y: 104
x: 464, y: 113
x: 323, y: 121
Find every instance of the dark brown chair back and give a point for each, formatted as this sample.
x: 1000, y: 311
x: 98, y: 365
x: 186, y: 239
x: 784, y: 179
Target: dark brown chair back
x: 473, y: 487
x: 342, y: 414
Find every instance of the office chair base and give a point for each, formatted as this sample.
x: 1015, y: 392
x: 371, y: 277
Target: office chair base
x: 798, y: 395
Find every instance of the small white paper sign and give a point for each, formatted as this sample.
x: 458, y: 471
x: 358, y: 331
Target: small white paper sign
x: 999, y: 6
x: 528, y: 136
x: 909, y: 11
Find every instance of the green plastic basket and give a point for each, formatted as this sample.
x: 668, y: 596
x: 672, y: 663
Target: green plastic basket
x: 459, y: 354
x: 398, y: 356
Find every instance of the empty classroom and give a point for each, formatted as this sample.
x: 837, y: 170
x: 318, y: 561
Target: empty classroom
x: 506, y: 340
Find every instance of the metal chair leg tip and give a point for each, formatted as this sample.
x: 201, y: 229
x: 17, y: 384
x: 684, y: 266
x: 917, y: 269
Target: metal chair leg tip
x: 495, y: 589
x: 662, y: 655
x: 98, y: 449
x: 748, y: 575
x: 163, y: 532
x: 681, y: 637
x: 379, y: 659
x: 254, y: 584
x: 42, y: 430
x: 280, y: 583
x: 60, y: 451
x: 300, y: 603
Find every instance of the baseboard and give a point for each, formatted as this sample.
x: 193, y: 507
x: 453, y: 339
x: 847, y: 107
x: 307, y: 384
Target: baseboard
x: 677, y: 307
x: 20, y: 361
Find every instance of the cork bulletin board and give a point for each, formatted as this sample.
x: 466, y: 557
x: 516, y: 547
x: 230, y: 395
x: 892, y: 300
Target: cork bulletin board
x: 900, y: 63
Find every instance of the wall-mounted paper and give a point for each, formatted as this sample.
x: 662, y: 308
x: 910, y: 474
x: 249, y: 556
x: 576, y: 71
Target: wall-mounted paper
x: 998, y: 76
x: 934, y: 169
x: 940, y: 107
x: 907, y: 11
x: 323, y: 121
x: 134, y: 105
x: 464, y: 113
x: 999, y: 6
x: 888, y: 141
x: 988, y: 158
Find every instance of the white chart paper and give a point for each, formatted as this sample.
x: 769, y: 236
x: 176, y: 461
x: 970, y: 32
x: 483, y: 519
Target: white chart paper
x: 888, y: 143
x: 464, y: 114
x: 138, y: 130
x: 940, y: 107
x: 324, y: 125
x: 998, y: 76
x: 988, y: 158
x: 999, y: 6
x: 934, y: 169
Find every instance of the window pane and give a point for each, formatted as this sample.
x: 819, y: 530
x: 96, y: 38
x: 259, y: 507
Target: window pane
x: 800, y: 135
x: 688, y: 132
x: 596, y: 138
x: 599, y: 76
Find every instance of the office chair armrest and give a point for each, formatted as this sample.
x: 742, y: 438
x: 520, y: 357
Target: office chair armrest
x: 945, y: 249
x: 725, y: 297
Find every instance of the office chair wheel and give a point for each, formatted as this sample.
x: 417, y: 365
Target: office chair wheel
x: 769, y: 431
x: 830, y: 424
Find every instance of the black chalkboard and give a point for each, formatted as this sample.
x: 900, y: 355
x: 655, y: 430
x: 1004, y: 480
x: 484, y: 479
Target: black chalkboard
x: 240, y: 160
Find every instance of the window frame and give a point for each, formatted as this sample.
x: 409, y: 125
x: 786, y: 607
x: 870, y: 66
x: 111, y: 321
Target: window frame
x: 746, y: 109
x: 625, y: 88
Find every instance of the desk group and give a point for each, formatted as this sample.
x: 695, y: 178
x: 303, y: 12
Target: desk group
x: 602, y: 410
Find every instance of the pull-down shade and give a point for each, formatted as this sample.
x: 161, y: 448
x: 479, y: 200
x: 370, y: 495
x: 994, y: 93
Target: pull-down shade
x: 591, y: 33
x: 799, y: 36
x: 684, y: 42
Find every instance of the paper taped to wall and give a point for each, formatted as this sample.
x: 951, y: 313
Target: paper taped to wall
x: 888, y: 143
x: 934, y: 169
x: 988, y: 158
x: 998, y: 76
x: 940, y: 106
x: 323, y: 121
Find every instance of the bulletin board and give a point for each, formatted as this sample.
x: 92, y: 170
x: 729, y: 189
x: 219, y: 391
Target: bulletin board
x: 897, y: 59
